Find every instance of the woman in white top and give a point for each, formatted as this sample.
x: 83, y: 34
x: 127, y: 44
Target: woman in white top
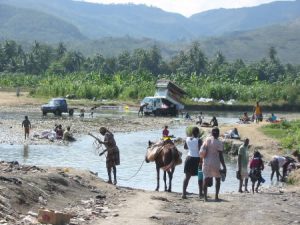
x: 191, y: 165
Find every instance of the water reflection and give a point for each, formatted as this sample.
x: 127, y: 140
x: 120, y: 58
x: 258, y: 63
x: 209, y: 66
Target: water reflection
x: 83, y: 154
x: 25, y: 152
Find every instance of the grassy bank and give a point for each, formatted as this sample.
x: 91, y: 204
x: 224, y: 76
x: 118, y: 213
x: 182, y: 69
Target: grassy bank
x: 288, y: 134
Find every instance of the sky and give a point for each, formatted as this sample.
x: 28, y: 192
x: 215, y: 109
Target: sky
x: 189, y: 7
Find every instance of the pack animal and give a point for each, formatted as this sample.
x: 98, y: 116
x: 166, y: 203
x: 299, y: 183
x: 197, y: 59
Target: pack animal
x: 166, y: 157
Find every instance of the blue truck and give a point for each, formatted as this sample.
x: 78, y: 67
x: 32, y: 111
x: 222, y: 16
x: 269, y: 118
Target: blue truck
x: 57, y: 106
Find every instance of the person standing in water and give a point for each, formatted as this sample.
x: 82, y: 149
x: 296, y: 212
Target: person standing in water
x: 27, y: 126
x: 242, y: 165
x: 258, y: 113
x: 113, y: 154
x: 192, y: 162
x: 211, y: 153
x: 256, y: 166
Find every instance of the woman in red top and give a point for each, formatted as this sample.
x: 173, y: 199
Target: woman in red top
x: 256, y: 166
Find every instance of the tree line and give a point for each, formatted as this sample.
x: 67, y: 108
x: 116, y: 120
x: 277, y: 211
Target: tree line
x: 191, y: 69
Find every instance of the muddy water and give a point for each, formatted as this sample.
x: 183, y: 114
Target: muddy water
x: 83, y: 154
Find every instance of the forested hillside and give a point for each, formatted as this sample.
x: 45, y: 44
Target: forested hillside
x: 247, y: 45
x: 139, y: 21
x: 96, y: 20
x: 29, y: 25
x: 221, y: 21
x: 253, y: 45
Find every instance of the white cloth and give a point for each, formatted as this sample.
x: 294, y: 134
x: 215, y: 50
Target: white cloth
x: 193, y: 146
x: 281, y: 160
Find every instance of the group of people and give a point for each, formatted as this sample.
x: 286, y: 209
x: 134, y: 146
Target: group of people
x: 58, y: 132
x: 204, y: 159
x: 213, y: 122
x: 256, y: 166
x: 257, y: 116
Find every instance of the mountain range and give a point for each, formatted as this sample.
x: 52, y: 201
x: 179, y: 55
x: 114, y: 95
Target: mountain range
x: 89, y: 24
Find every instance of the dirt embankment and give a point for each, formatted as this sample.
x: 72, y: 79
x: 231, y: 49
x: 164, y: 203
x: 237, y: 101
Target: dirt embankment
x: 89, y: 200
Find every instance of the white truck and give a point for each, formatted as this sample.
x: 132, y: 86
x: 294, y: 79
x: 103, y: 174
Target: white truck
x: 166, y: 101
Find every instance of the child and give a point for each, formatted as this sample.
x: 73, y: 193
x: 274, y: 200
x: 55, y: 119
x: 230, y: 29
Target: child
x: 256, y: 166
x: 27, y: 125
x: 165, y: 132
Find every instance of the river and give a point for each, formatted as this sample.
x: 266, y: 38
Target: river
x: 83, y: 154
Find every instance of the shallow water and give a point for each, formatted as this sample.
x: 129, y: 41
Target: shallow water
x: 83, y: 154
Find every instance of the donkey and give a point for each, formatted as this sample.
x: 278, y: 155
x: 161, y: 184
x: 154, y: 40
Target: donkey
x: 166, y: 157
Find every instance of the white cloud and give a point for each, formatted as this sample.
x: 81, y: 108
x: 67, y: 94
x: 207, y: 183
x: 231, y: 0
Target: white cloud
x: 189, y: 7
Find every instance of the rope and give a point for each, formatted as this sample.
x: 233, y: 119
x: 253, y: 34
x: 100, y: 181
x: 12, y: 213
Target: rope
x: 133, y: 174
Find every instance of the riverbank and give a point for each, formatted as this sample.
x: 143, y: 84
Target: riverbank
x: 283, y: 107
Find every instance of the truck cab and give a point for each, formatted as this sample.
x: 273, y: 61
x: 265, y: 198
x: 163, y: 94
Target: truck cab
x: 57, y: 106
x: 159, y: 107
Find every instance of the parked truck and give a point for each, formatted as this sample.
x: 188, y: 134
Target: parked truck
x: 57, y: 106
x: 166, y: 100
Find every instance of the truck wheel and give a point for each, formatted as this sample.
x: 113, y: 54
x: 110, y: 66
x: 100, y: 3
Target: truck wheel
x: 57, y: 112
x: 156, y: 113
x: 71, y: 112
x: 44, y: 113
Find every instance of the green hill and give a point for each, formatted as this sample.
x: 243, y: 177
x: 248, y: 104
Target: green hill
x: 140, y: 21
x: 245, y: 33
x: 247, y: 45
x: 29, y: 25
x: 221, y: 21
x: 254, y: 45
x: 99, y: 20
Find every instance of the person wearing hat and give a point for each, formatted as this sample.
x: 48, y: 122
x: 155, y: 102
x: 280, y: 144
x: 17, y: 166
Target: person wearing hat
x: 113, y: 154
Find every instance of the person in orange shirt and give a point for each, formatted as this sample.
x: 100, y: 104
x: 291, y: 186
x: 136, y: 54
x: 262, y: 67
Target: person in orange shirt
x: 258, y: 113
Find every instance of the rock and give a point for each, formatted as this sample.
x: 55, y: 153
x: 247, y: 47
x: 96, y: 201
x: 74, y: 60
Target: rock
x: 30, y: 213
x: 42, y: 201
x: 154, y: 218
x: 52, y: 217
x: 30, y: 219
x: 100, y: 196
x: 58, y: 179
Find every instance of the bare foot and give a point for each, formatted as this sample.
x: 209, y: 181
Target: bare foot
x: 109, y: 182
x: 183, y: 197
x: 240, y: 191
